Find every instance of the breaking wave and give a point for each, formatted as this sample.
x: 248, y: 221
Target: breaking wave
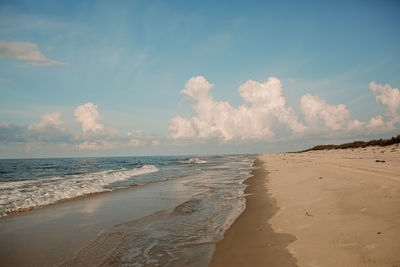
x: 24, y: 195
x: 195, y: 161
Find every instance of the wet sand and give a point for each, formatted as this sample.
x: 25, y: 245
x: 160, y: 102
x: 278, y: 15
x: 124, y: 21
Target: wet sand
x: 251, y: 241
x: 56, y: 233
x: 319, y: 208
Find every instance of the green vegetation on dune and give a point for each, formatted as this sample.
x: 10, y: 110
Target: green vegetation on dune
x: 357, y: 144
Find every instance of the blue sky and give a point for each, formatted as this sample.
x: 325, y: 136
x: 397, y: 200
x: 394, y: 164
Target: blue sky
x: 131, y: 59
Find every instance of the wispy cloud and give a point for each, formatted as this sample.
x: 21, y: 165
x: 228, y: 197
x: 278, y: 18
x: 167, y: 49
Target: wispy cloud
x: 28, y: 52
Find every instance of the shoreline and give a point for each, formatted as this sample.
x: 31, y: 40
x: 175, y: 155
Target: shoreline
x: 112, y: 225
x: 72, y: 225
x: 319, y: 208
x: 66, y: 200
x: 245, y: 242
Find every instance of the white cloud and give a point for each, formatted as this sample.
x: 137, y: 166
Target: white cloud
x: 135, y: 138
x: 181, y: 128
x: 264, y: 112
x: 320, y: 116
x: 133, y: 142
x: 263, y: 109
x: 390, y: 98
x: 263, y: 115
x: 51, y: 120
x: 375, y: 122
x: 28, y: 52
x: 96, y: 145
x: 97, y: 136
x: 89, y: 117
x: 50, y: 130
x: 135, y: 133
x: 387, y: 96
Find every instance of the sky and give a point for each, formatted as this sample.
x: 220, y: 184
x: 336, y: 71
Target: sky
x: 122, y: 78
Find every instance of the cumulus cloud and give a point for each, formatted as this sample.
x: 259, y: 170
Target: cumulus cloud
x: 387, y: 96
x: 135, y: 138
x: 133, y: 142
x: 390, y: 98
x: 181, y: 128
x: 51, y: 120
x: 375, y: 122
x: 264, y: 112
x: 89, y: 117
x: 28, y: 52
x: 97, y: 136
x: 96, y: 145
x: 320, y: 115
x: 264, y: 115
x: 264, y: 107
x: 51, y: 129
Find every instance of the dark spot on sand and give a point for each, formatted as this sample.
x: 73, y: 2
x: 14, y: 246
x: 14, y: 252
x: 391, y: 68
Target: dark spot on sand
x: 378, y: 233
x: 379, y: 160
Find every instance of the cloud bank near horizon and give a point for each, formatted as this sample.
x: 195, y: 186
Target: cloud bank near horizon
x: 263, y: 116
x: 94, y: 135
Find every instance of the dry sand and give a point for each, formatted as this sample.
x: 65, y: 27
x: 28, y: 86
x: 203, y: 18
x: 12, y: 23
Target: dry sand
x: 319, y: 208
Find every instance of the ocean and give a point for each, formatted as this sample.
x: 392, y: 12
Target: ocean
x: 190, y: 201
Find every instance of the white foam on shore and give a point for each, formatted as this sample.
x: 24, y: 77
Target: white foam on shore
x: 183, y: 235
x: 28, y: 194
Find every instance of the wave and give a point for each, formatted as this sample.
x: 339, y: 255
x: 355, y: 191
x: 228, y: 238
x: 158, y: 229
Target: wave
x: 26, y: 195
x: 195, y: 161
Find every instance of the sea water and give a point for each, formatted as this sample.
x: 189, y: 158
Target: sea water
x: 181, y: 234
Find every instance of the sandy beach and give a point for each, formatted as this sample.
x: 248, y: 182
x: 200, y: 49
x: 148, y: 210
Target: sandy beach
x: 319, y: 208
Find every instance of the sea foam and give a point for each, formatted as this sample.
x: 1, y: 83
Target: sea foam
x: 22, y: 195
